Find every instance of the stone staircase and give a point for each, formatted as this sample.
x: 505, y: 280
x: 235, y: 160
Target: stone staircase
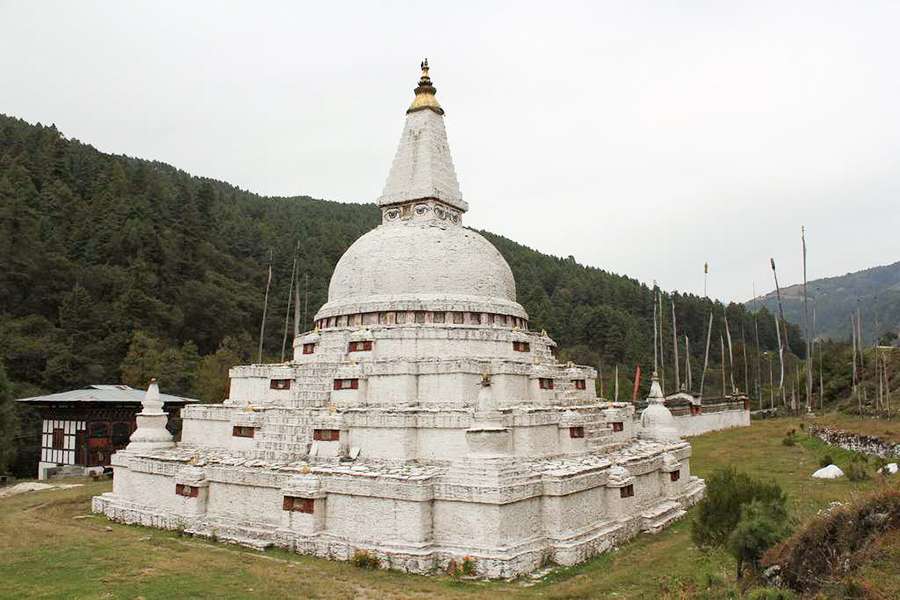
x: 661, y: 516
x: 283, y: 443
x: 599, y: 435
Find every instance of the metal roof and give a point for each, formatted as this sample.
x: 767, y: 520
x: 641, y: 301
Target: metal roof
x: 106, y: 393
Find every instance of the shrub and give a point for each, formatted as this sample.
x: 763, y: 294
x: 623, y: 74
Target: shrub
x: 769, y: 593
x: 790, y: 438
x: 857, y: 471
x: 727, y: 491
x: 826, y: 460
x: 469, y: 566
x: 453, y: 569
x: 762, y: 525
x: 365, y: 560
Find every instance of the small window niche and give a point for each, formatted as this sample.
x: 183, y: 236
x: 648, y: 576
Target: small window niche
x: 545, y: 383
x: 626, y: 491
x: 309, y: 348
x: 618, y: 426
x: 280, y: 384
x: 296, y: 504
x: 675, y: 475
x: 521, y: 346
x: 576, y: 432
x: 580, y: 384
x: 243, y: 431
x: 327, y: 435
x: 188, y: 491
x: 362, y: 346
x: 346, y: 384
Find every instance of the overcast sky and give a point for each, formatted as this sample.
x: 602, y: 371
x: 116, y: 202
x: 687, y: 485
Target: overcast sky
x: 642, y: 138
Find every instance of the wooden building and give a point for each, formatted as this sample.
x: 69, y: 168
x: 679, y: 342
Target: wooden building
x: 82, y: 428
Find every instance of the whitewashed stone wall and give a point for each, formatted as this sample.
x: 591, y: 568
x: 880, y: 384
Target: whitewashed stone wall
x: 691, y: 425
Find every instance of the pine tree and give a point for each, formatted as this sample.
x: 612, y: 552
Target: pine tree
x: 9, y: 423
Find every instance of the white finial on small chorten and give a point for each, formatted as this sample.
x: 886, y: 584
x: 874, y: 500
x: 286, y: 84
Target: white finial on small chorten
x: 152, y: 405
x: 657, y: 422
x: 655, y: 394
x: 151, y: 432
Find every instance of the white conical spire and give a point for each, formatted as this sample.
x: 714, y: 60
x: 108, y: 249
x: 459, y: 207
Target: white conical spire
x: 423, y: 167
x: 151, y: 432
x: 152, y: 404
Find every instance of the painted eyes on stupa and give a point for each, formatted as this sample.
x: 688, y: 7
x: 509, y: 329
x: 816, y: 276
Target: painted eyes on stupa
x: 421, y: 210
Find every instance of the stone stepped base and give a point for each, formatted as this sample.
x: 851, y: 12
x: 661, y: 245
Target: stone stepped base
x: 661, y: 516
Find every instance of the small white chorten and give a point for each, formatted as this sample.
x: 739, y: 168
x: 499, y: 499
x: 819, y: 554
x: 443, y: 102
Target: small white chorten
x: 151, y: 432
x: 657, y: 420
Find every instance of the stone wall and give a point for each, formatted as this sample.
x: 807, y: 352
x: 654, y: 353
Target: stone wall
x: 690, y: 425
x: 856, y: 442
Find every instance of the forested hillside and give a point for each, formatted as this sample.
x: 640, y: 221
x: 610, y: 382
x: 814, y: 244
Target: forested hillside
x: 115, y: 269
x: 875, y: 291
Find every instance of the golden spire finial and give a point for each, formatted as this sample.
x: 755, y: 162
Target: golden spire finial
x: 425, y: 93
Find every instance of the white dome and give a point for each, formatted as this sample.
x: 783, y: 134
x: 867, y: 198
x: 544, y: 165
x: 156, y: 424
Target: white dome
x: 418, y: 265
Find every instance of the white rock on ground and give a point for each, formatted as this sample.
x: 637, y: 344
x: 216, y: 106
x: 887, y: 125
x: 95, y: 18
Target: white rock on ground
x: 889, y: 469
x: 829, y: 472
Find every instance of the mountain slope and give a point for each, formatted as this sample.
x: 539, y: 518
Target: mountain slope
x: 114, y: 267
x: 875, y: 291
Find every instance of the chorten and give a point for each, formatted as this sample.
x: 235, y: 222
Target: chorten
x: 421, y: 421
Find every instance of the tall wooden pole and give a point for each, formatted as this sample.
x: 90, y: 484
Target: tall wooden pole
x: 806, y: 326
x: 746, y: 367
x: 305, y: 297
x: 655, y: 341
x: 262, y: 325
x: 730, y: 352
x: 662, y: 354
x: 617, y: 383
x: 821, y: 380
x: 675, y: 348
x: 722, y: 342
x: 777, y: 328
x: 758, y: 357
x: 287, y: 312
x: 780, y: 356
x: 600, y: 377
x: 688, y: 376
x: 854, y: 378
x: 706, y: 355
x: 637, y: 383
x: 297, y: 305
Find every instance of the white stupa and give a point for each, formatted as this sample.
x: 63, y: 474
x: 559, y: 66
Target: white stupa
x: 421, y: 420
x: 151, y: 432
x: 657, y: 422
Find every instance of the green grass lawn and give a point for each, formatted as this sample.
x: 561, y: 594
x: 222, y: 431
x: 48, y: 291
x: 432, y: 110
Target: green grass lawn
x: 52, y: 547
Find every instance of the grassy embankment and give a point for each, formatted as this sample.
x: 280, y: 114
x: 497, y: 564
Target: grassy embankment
x: 50, y: 546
